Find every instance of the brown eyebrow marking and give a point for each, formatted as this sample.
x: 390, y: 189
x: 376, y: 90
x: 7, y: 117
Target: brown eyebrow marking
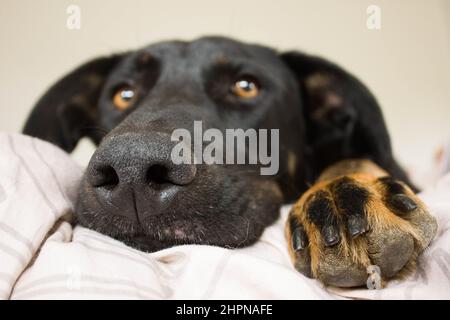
x: 145, y: 58
x: 222, y: 59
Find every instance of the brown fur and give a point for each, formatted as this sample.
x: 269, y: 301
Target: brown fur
x: 380, y: 217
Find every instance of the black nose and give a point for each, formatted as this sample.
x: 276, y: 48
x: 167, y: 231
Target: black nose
x: 133, y: 174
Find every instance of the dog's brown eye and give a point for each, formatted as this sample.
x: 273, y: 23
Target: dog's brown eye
x: 124, y: 98
x: 246, y: 88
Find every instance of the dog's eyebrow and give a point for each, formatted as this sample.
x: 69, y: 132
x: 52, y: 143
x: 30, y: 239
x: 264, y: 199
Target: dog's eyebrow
x: 222, y: 59
x: 144, y: 58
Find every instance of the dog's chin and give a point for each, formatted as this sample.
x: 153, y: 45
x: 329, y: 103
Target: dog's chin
x: 236, y: 220
x: 149, y: 242
x: 153, y: 235
x: 232, y: 231
x: 161, y: 233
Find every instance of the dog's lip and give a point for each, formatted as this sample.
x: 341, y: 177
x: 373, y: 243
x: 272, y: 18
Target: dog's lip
x: 152, y: 243
x: 165, y: 237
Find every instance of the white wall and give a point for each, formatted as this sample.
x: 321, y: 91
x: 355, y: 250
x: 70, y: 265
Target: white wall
x: 406, y: 63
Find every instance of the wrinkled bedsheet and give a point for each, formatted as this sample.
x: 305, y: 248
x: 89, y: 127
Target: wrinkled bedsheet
x: 43, y: 257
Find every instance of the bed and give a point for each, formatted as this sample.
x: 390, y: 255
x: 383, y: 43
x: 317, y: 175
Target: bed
x: 42, y: 256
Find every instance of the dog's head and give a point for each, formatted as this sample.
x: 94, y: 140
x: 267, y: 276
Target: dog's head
x: 130, y: 104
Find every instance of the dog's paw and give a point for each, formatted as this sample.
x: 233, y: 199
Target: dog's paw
x: 340, y: 227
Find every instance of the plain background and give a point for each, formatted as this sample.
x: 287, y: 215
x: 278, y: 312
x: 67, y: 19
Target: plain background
x: 406, y: 64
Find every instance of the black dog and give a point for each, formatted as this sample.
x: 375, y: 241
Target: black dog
x: 129, y: 104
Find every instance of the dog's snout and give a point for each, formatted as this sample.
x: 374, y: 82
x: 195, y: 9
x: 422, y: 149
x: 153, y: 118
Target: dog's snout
x: 134, y: 173
x: 154, y: 175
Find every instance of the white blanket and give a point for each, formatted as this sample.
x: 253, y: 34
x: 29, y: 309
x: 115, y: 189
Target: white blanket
x: 43, y: 257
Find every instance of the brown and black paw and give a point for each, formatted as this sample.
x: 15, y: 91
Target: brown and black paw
x: 340, y: 227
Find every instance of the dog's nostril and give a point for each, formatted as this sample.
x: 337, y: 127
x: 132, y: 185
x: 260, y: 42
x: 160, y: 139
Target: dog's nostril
x: 106, y: 177
x: 158, y: 174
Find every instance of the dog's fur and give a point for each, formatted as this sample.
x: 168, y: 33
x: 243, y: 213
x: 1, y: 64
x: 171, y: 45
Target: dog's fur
x: 324, y: 115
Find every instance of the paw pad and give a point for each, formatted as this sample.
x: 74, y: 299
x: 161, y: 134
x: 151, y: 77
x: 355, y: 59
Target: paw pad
x: 342, y: 226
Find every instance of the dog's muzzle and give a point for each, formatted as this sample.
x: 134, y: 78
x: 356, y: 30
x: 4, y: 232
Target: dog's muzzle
x: 132, y: 174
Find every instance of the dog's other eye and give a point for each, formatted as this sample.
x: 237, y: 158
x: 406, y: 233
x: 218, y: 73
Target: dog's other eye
x: 124, y: 97
x: 246, y: 88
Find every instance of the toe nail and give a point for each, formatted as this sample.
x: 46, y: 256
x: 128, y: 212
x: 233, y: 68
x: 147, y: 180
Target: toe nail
x: 330, y: 236
x: 356, y: 226
x: 299, y: 239
x: 403, y: 203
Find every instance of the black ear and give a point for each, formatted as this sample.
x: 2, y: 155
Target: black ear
x: 68, y: 110
x: 343, y: 118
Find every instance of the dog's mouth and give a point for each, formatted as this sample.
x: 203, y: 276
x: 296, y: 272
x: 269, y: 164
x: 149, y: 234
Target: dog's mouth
x: 157, y: 233
x: 149, y: 202
x: 222, y: 209
x: 151, y: 243
x: 164, y: 235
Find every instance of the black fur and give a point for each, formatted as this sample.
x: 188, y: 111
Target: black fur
x: 324, y: 115
x: 321, y: 212
x: 392, y: 186
x: 396, y: 196
x: 351, y: 200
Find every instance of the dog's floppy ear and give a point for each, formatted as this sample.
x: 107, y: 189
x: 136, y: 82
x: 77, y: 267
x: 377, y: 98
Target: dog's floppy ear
x: 343, y: 118
x: 68, y: 110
